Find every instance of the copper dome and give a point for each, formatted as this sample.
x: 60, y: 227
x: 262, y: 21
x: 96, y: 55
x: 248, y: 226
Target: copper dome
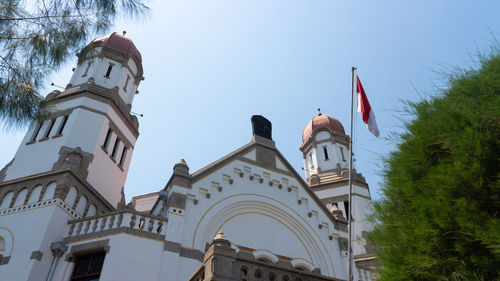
x: 119, y: 43
x: 322, y: 121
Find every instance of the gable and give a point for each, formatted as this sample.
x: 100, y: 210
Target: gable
x: 250, y: 200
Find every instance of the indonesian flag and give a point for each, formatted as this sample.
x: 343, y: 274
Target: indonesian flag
x: 365, y: 109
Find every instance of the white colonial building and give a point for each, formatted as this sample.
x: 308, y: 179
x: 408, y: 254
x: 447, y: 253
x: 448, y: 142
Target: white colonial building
x: 247, y: 216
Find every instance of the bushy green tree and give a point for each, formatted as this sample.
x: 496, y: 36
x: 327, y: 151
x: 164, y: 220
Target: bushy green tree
x: 37, y: 36
x: 439, y: 216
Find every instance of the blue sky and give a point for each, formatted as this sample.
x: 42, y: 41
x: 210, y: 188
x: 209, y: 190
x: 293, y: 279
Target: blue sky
x: 211, y: 64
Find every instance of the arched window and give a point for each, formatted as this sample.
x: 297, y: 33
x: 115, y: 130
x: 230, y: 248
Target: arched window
x: 91, y: 211
x: 71, y: 196
x: 272, y: 276
x: 35, y: 194
x: 258, y: 274
x: 21, y: 196
x: 82, y: 204
x: 49, y: 191
x: 285, y: 278
x: 244, y: 271
x: 7, y: 199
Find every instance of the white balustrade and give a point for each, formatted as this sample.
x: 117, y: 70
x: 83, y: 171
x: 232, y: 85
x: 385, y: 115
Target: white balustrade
x: 118, y: 220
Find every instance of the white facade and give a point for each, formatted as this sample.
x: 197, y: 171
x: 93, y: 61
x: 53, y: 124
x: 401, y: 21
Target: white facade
x: 61, y: 196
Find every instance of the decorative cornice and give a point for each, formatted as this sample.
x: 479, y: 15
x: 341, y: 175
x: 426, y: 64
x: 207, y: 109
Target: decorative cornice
x: 96, y: 92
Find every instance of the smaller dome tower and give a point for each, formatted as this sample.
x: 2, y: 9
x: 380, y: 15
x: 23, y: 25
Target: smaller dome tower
x: 325, y: 149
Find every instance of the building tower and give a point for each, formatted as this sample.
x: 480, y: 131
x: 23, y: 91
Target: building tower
x: 92, y: 131
x: 72, y: 165
x: 325, y: 149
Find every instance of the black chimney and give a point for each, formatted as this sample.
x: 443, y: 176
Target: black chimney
x: 261, y: 127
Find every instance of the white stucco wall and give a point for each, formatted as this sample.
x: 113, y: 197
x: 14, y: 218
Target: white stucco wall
x: 39, y: 228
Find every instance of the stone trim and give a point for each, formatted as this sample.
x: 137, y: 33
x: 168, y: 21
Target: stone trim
x: 329, y: 200
x: 86, y: 248
x: 334, y: 138
x: 221, y: 262
x: 114, y: 231
x: 107, y: 214
x: 4, y: 169
x: 340, y: 183
x: 4, y: 260
x: 75, y: 159
x: 36, y: 255
x: 171, y: 246
x: 176, y: 247
x: 64, y: 179
x: 109, y: 96
x: 176, y: 200
x: 191, y: 254
x: 343, y: 244
x: 366, y: 262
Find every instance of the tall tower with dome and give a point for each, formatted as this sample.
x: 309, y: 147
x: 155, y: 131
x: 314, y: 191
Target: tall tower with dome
x: 246, y: 216
x: 92, y: 131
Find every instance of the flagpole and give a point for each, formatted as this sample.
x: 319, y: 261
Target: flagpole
x: 349, y: 219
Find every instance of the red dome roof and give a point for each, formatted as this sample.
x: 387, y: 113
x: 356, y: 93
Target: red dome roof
x: 322, y: 121
x: 119, y: 43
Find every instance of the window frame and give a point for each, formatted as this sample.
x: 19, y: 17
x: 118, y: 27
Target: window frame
x: 37, y: 131
x: 115, y: 148
x: 108, y: 71
x: 49, y: 128
x: 107, y: 139
x: 62, y: 125
x: 325, y: 153
x: 88, y: 275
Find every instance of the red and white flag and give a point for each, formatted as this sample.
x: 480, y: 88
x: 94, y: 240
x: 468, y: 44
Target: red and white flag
x: 365, y: 109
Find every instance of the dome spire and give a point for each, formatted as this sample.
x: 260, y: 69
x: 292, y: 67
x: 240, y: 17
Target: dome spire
x: 319, y: 112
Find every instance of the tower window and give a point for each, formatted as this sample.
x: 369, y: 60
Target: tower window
x: 325, y: 152
x: 51, y: 125
x: 107, y: 139
x: 33, y: 138
x: 122, y: 158
x: 63, y: 123
x: 342, y: 153
x: 88, y: 267
x: 346, y: 206
x: 108, y: 72
x: 87, y: 69
x: 115, y: 148
x: 126, y: 83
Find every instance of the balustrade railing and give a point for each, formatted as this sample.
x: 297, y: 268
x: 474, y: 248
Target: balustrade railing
x: 120, y: 221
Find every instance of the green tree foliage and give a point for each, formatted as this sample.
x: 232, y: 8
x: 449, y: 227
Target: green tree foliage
x: 439, y: 217
x: 37, y: 36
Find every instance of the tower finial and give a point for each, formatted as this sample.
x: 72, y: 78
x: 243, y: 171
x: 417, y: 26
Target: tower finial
x: 319, y: 111
x: 124, y: 32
